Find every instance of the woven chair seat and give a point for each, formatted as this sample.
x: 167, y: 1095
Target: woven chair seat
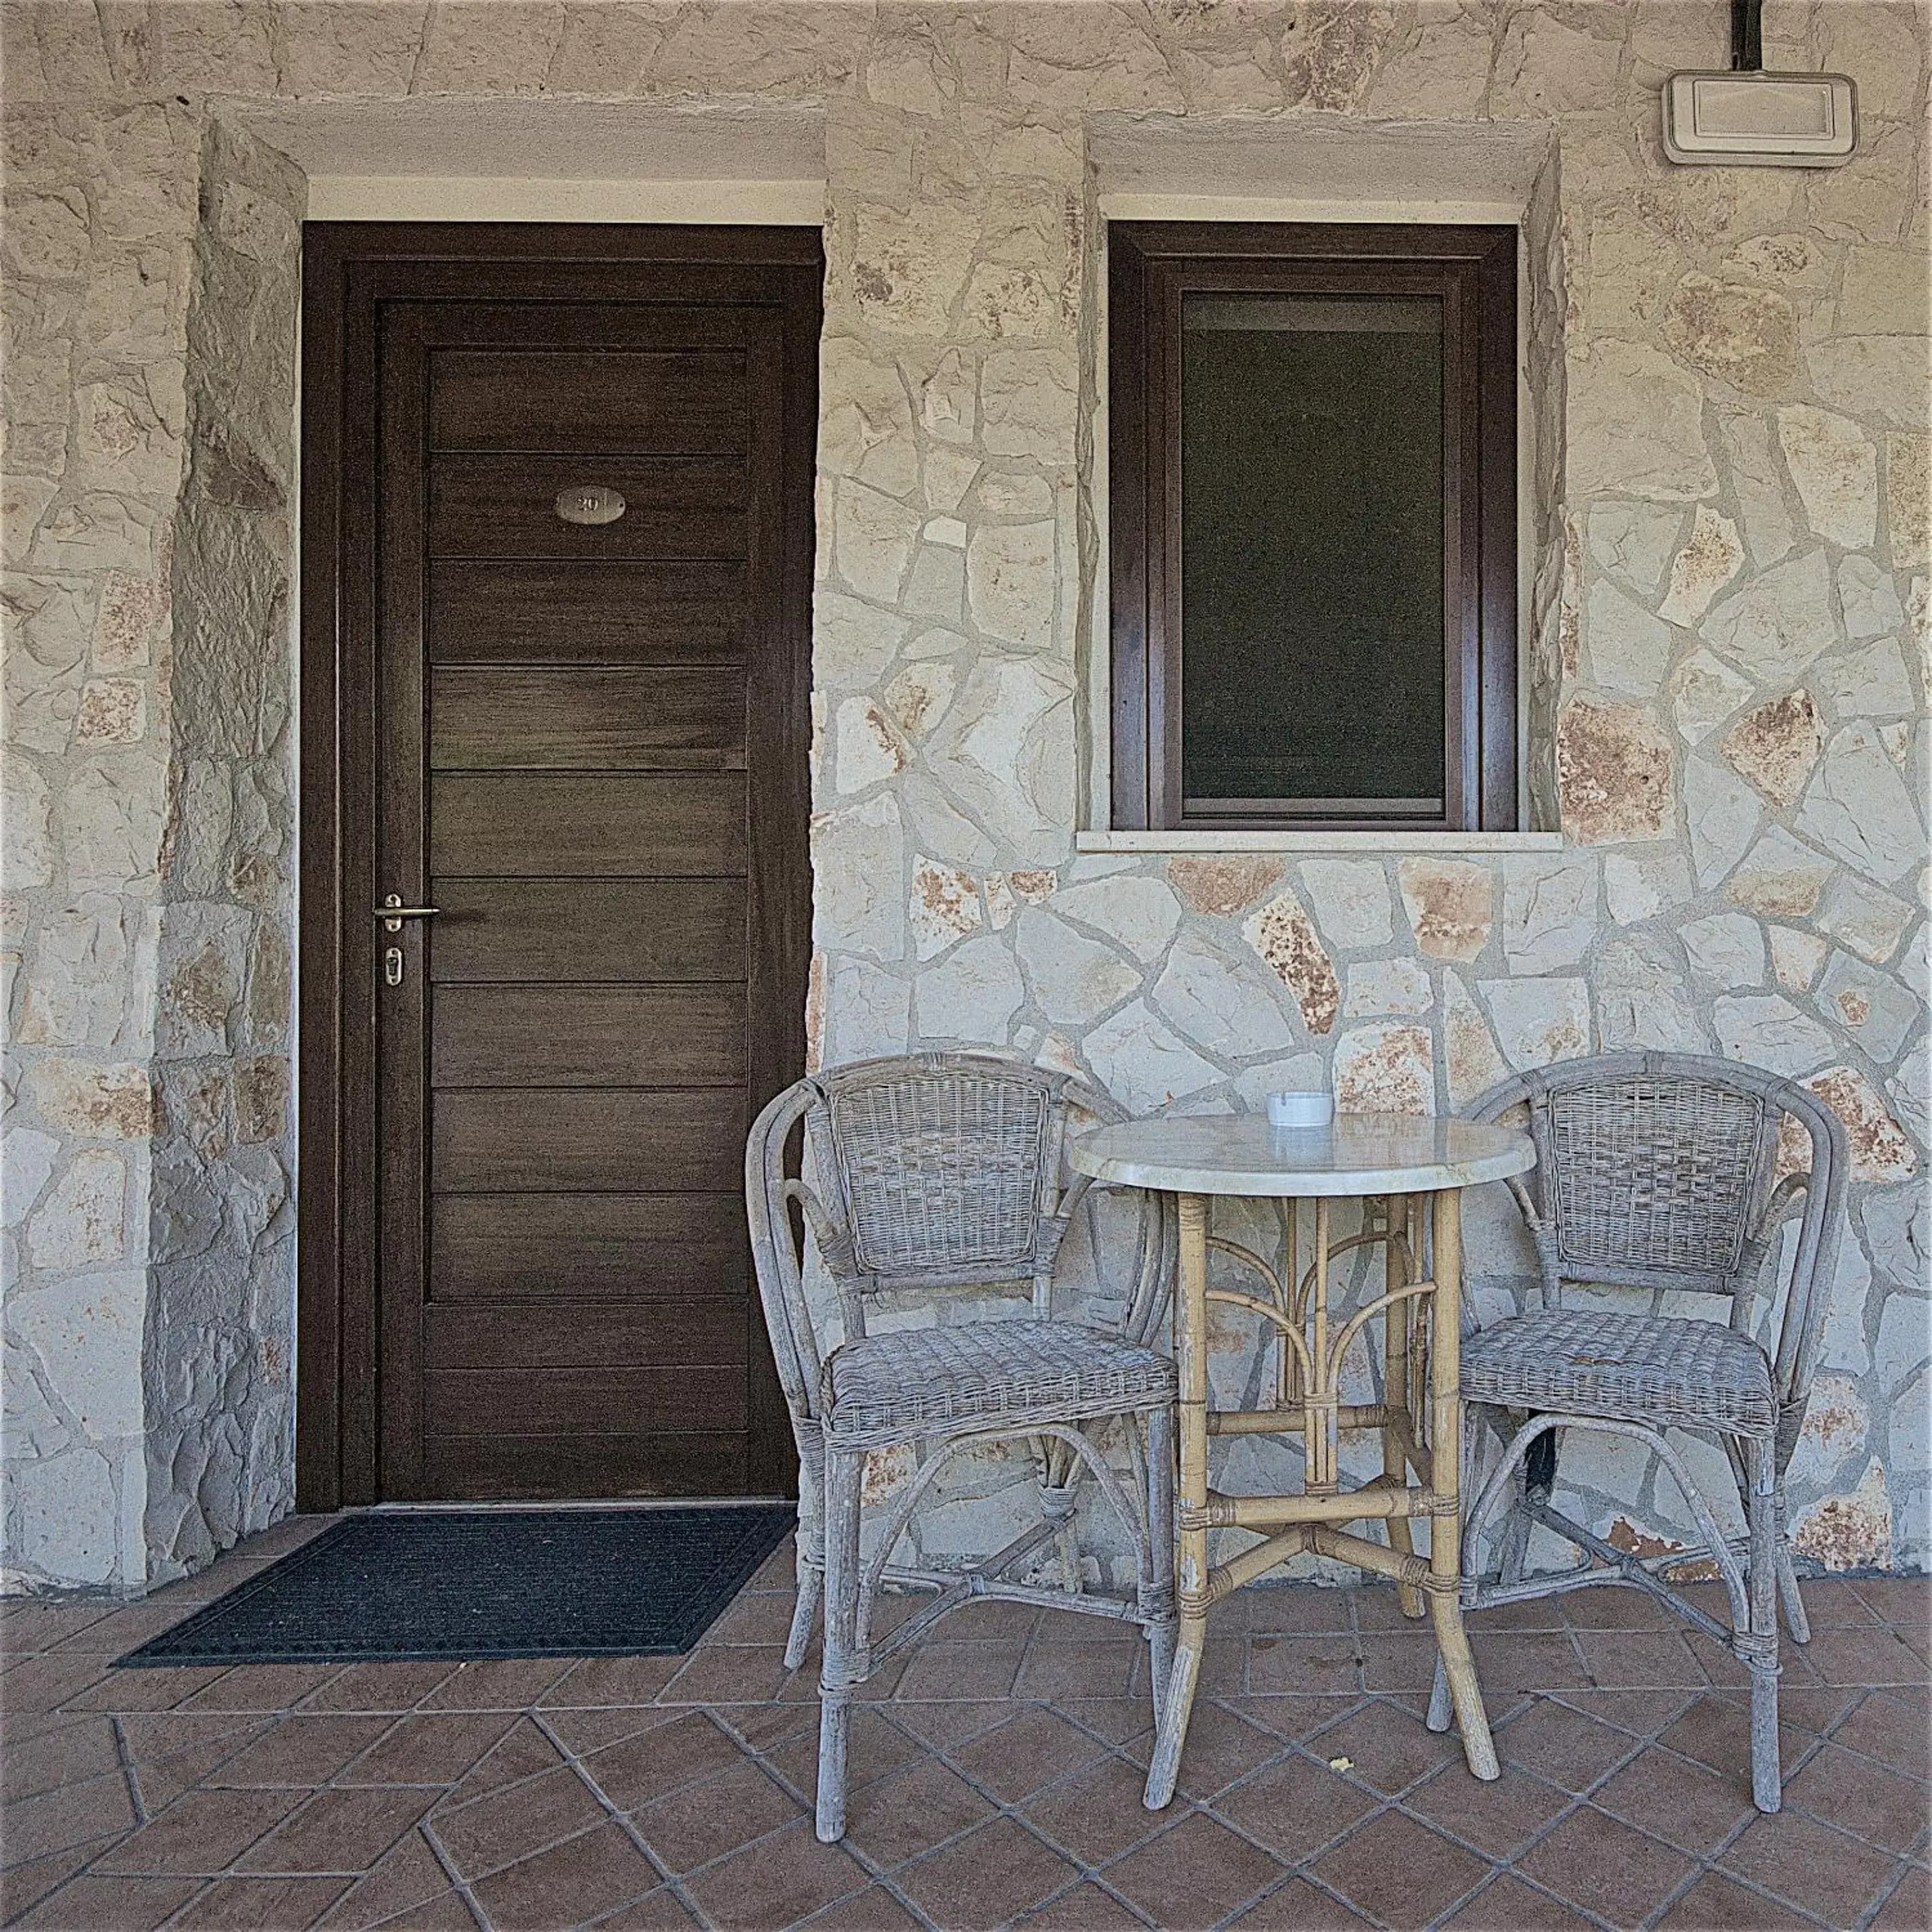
x: 889, y: 1387
x: 1657, y: 1369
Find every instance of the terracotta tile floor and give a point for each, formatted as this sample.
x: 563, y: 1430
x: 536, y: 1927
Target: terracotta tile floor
x: 996, y: 1779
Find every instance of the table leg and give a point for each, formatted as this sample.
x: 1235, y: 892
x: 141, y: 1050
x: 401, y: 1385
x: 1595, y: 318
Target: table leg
x: 1395, y: 1378
x: 1190, y: 1344
x: 1445, y: 1608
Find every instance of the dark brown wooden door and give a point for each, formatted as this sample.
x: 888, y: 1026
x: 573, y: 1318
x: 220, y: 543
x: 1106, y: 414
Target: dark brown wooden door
x: 588, y: 748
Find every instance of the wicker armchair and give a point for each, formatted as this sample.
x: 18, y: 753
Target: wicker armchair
x: 1659, y: 1171
x: 943, y: 1172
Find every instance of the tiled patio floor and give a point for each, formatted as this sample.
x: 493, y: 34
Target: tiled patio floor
x: 996, y: 1782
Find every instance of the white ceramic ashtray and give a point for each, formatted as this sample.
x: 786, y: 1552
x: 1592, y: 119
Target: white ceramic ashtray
x: 1301, y: 1110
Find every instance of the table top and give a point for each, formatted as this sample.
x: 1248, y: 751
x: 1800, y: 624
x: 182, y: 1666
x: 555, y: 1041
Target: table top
x: 1358, y: 1154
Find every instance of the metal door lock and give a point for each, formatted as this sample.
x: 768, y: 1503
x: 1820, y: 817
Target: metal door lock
x: 392, y: 964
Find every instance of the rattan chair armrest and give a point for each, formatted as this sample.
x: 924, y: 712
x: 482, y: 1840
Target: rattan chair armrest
x: 1783, y: 1205
x: 835, y: 1243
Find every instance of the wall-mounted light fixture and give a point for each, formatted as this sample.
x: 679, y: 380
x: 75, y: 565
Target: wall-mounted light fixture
x: 1743, y: 117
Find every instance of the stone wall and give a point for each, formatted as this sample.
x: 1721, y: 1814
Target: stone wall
x: 1726, y: 662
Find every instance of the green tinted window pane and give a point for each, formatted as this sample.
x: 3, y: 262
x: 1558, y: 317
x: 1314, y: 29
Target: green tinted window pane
x: 1312, y: 513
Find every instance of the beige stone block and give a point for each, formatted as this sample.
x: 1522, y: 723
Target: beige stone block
x: 865, y: 427
x: 78, y: 1222
x: 1472, y: 1059
x: 606, y: 47
x: 1387, y: 1067
x: 1704, y: 691
x: 1834, y: 466
x: 1868, y: 598
x: 1538, y: 1021
x: 1858, y: 915
x: 1745, y: 336
x: 1351, y: 900
x: 1221, y: 888
x: 1756, y: 480
x: 944, y: 907
x: 1709, y: 560
x: 1908, y: 467
x: 1859, y: 807
x: 1633, y: 270
x: 1282, y: 933
x: 873, y: 536
x: 1386, y: 986
x: 1780, y: 878
x: 1075, y: 980
x: 1638, y: 885
x: 1792, y: 261
x: 1633, y: 541
x: 1880, y: 378
x: 27, y: 830
x: 27, y: 1158
x: 918, y: 695
x: 1636, y: 427
x: 131, y: 620
x: 852, y: 643
x: 1011, y: 583
x: 1629, y: 649
x: 870, y: 750
x: 1613, y: 769
x: 92, y: 1102
x: 1881, y: 1150
x: 907, y: 270
x: 112, y: 711
x: 1778, y: 622
x: 1776, y: 746
x: 858, y: 858
x: 261, y: 1099
x: 1883, y: 292
x: 1137, y: 912
x: 1004, y: 301
x: 1795, y: 956
x: 1218, y: 998
x: 1140, y: 1060
x: 1435, y: 69
x: 1026, y: 400
x: 1450, y: 906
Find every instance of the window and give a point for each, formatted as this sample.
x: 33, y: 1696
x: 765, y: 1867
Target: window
x: 1312, y: 483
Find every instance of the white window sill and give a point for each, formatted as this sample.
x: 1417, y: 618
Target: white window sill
x: 1445, y: 844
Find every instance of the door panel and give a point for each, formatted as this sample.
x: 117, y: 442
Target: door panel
x: 536, y: 611
x: 675, y: 510
x: 512, y: 1246
x: 581, y: 716
x: 524, y: 1035
x: 589, y: 761
x: 548, y: 930
x: 593, y: 826
x: 657, y: 402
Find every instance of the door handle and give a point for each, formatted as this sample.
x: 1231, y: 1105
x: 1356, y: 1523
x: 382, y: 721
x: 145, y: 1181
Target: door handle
x: 392, y: 912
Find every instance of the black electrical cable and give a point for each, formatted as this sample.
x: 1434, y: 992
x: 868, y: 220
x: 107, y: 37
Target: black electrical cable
x: 1747, y: 36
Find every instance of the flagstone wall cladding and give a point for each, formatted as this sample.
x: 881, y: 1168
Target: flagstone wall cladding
x: 1726, y: 675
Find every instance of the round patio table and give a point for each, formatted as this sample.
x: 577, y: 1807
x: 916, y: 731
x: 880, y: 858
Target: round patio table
x: 1409, y: 1172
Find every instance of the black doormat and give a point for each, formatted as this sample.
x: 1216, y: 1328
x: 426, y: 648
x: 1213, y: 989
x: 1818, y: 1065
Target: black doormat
x: 396, y: 1585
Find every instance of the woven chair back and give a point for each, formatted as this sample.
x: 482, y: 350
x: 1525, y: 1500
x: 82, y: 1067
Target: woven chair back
x: 1672, y: 1171
x: 1660, y: 1175
x: 946, y: 1168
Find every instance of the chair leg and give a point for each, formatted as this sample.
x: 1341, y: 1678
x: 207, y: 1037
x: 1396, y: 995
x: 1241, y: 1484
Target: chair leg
x: 1795, y: 1619
x: 1757, y: 1648
x: 843, y: 1666
x: 811, y: 1593
x: 1156, y: 1592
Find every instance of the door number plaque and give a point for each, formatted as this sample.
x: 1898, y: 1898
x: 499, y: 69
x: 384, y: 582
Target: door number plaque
x: 589, y: 503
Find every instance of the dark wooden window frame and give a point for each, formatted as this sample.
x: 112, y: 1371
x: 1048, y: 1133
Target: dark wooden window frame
x: 1472, y: 269
x: 348, y: 270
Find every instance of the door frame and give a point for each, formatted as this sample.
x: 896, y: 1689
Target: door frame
x: 349, y: 269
